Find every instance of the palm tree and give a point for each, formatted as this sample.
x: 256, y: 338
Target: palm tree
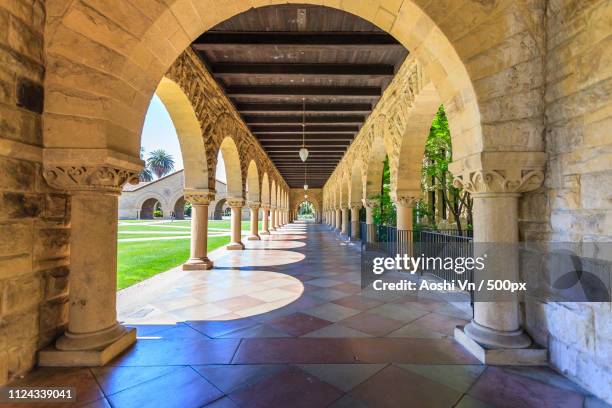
x: 146, y: 175
x: 160, y: 162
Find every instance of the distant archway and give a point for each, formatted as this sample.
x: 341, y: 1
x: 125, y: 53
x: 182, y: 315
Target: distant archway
x: 306, y: 211
x: 179, y: 209
x: 149, y: 208
x: 219, y: 209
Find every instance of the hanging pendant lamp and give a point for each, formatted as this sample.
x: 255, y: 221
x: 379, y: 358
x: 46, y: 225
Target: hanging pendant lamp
x: 303, y: 150
x: 305, y: 183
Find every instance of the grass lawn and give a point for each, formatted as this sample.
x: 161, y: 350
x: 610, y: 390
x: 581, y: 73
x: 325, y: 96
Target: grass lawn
x: 139, y: 260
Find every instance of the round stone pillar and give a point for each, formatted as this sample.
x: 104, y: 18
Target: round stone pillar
x: 272, y: 215
x: 345, y: 219
x: 198, y: 259
x: 264, y: 222
x: 236, y: 205
x: 93, y: 337
x: 355, y: 207
x: 369, y: 205
x: 496, y: 180
x: 338, y: 225
x: 404, y: 204
x: 254, y: 222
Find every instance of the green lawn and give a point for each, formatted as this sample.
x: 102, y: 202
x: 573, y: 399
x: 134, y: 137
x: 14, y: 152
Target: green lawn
x: 139, y: 260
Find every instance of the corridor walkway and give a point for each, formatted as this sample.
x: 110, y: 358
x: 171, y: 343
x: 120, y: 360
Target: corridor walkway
x: 284, y: 323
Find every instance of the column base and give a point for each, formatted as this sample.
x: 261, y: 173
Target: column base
x: 235, y: 246
x: 198, y: 264
x: 532, y: 356
x: 97, y: 357
x: 264, y: 233
x: 254, y: 238
x: 493, y: 339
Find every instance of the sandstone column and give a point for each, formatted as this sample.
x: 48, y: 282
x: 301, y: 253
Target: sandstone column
x: 338, y: 224
x: 236, y: 205
x: 264, y: 223
x: 404, y: 204
x: 355, y: 207
x: 369, y: 205
x: 272, y: 215
x: 93, y: 336
x: 345, y: 219
x: 199, y: 230
x: 254, y: 206
x: 496, y: 181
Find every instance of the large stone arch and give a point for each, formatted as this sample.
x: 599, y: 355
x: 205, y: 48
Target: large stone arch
x: 188, y: 131
x: 407, y: 163
x: 106, y: 65
x: 147, y: 208
x: 265, y: 189
x: 356, y: 185
x: 253, y: 186
x: 233, y: 170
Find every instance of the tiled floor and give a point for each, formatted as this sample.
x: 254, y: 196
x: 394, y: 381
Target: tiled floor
x: 284, y: 323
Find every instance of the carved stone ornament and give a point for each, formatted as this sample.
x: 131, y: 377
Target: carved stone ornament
x: 344, y: 207
x: 101, y: 178
x: 405, y: 201
x: 199, y: 198
x: 254, y: 205
x: 492, y: 181
x: 355, y: 206
x: 370, y: 203
x: 265, y: 207
x: 235, y: 202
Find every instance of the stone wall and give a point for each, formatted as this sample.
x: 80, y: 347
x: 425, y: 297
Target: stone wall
x: 167, y: 190
x: 34, y: 221
x: 577, y: 198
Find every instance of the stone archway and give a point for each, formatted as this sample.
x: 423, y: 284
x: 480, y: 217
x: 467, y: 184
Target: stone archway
x: 148, y: 208
x: 219, y: 211
x: 179, y: 208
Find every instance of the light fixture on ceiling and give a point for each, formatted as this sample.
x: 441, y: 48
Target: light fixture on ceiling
x: 303, y: 150
x: 305, y: 183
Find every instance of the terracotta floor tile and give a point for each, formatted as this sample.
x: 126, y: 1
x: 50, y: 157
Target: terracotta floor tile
x: 115, y: 379
x: 348, y: 288
x: 332, y: 312
x: 219, y: 328
x: 229, y: 378
x: 394, y: 387
x: 86, y: 387
x: 239, y: 303
x: 298, y: 324
x: 372, y: 324
x: 439, y: 323
x: 342, y: 376
x: 183, y: 388
x: 503, y: 389
x: 291, y: 387
x: 358, y: 302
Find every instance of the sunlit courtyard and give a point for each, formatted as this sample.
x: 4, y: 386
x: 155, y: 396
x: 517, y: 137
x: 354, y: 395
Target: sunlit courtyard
x: 148, y: 247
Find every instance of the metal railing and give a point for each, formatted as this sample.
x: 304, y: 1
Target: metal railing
x: 427, y: 243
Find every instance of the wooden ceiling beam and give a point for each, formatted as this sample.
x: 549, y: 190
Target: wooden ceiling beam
x: 264, y: 91
x: 258, y: 129
x: 297, y: 119
x: 220, y: 40
x: 258, y: 107
x: 286, y: 70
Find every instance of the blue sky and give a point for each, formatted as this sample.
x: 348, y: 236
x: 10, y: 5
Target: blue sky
x: 159, y: 133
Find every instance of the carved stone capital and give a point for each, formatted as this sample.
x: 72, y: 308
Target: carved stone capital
x: 265, y: 207
x: 497, y: 181
x: 102, y: 178
x: 499, y: 172
x: 405, y: 200
x: 344, y: 207
x: 370, y: 203
x: 355, y: 206
x: 254, y: 205
x: 234, y: 202
x: 198, y: 197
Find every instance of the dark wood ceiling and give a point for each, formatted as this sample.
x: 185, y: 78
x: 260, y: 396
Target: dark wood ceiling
x: 272, y: 61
